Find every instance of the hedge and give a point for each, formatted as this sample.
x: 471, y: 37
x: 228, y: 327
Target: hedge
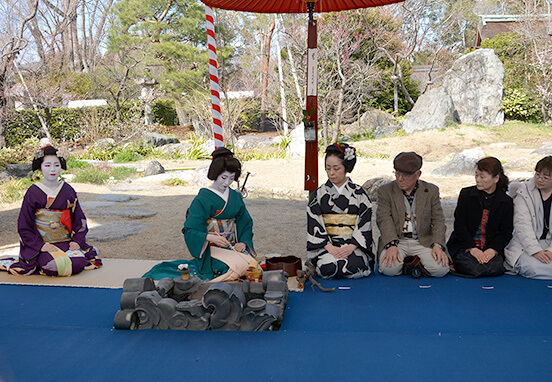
x: 69, y: 124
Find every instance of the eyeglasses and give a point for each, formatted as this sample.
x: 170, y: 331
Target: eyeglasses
x: 404, y: 175
x: 545, y: 178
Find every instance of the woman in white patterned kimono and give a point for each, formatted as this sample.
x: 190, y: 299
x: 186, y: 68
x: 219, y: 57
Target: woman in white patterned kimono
x: 339, y: 228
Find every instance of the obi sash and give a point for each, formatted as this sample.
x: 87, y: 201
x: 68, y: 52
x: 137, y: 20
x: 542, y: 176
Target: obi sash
x: 224, y: 227
x: 53, y: 225
x: 340, y: 224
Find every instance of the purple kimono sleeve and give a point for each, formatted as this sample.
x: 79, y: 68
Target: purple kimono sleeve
x: 78, y: 220
x: 31, y: 241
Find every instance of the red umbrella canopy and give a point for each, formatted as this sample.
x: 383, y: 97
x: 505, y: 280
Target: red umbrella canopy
x: 294, y: 6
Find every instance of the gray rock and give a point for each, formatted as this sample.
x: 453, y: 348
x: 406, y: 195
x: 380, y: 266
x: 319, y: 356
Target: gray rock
x: 105, y: 143
x: 432, y: 110
x: 176, y: 148
x: 517, y: 163
x: 115, y: 231
x: 520, y: 176
x: 449, y: 205
x: 296, y: 147
x: 118, y: 197
x: 371, y: 186
x: 154, y: 168
x: 4, y: 177
x: 461, y: 164
x: 475, y: 82
x: 386, y: 131
x: 370, y: 121
x: 129, y: 213
x: 92, y: 204
x: 158, y: 140
x: 252, y: 141
x: 19, y: 170
x: 545, y: 150
x: 136, y: 204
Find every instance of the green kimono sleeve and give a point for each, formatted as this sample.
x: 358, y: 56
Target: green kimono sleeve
x: 244, y: 225
x: 195, y: 235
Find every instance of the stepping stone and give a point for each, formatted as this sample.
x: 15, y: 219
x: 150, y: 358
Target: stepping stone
x: 136, y: 204
x: 134, y: 187
x: 118, y: 197
x: 131, y: 213
x: 91, y: 205
x: 114, y: 231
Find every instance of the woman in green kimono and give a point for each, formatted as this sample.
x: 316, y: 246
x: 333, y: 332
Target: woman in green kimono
x: 218, y: 227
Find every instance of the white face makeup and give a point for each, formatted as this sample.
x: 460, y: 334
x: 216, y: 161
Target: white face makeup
x: 223, y: 181
x: 51, y: 168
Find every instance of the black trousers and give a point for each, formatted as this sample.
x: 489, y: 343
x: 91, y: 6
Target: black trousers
x: 467, y: 265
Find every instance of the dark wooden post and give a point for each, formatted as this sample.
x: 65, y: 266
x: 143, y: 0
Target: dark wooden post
x: 311, y: 142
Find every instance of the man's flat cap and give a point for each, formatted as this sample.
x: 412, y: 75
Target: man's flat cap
x: 408, y: 162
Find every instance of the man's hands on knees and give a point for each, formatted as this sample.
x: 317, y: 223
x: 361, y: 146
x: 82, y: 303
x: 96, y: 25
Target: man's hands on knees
x: 440, y: 256
x: 391, y: 257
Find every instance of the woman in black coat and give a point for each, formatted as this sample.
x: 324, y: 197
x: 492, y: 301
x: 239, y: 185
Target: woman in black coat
x: 483, y: 223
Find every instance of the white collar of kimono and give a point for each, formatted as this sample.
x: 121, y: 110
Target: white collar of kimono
x: 341, y: 188
x: 222, y: 195
x: 50, y: 192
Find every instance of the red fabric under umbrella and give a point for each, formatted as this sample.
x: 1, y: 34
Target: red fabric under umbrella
x: 295, y: 6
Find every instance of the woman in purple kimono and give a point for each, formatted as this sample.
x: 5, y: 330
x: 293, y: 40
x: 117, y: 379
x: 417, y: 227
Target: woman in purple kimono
x: 51, y: 225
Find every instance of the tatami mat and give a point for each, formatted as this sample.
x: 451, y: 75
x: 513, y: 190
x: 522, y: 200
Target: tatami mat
x: 111, y: 275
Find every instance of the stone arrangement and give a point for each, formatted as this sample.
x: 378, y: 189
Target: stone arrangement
x: 178, y: 304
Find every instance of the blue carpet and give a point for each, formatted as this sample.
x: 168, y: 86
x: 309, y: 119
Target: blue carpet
x: 382, y: 329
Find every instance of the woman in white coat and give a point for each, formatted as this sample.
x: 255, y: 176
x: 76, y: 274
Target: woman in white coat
x: 530, y: 251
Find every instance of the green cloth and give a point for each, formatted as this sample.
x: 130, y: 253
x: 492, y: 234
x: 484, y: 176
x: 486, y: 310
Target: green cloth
x: 207, y: 205
x: 170, y: 269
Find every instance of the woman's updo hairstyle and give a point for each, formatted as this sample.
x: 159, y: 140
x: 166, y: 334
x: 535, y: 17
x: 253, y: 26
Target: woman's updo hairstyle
x: 494, y: 167
x: 345, y: 152
x: 223, y: 160
x: 48, y: 150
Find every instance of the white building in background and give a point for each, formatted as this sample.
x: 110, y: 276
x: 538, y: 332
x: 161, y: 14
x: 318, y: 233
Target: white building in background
x: 237, y: 94
x: 86, y: 103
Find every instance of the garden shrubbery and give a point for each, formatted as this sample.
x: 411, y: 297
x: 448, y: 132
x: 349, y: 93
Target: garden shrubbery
x: 68, y: 124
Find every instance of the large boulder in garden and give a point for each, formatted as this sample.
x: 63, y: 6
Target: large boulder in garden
x: 252, y: 141
x: 476, y: 82
x: 369, y: 122
x: 371, y: 186
x: 19, y: 170
x: 158, y: 140
x: 461, y: 164
x: 432, y: 110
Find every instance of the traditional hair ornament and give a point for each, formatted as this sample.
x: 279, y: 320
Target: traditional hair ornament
x: 62, y: 152
x: 39, y: 154
x: 338, y: 145
x: 349, y: 153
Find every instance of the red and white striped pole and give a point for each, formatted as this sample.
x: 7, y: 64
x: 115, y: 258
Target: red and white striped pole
x: 214, y: 79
